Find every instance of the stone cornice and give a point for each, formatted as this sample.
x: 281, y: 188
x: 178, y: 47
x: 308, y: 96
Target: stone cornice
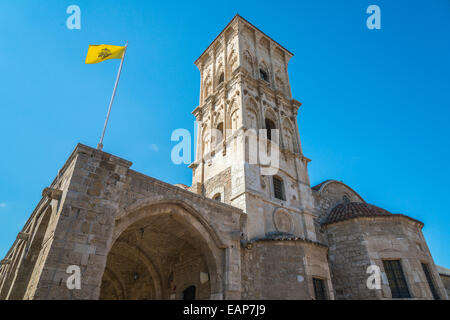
x: 248, y: 244
x: 276, y: 203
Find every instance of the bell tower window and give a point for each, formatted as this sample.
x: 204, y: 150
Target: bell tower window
x: 220, y: 132
x: 269, y: 126
x: 221, y: 78
x: 263, y: 75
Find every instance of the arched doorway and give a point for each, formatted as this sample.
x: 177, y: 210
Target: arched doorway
x: 161, y: 251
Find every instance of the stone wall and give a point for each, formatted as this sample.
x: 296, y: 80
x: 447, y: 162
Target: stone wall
x: 100, y: 195
x: 446, y: 282
x: 349, y: 259
x: 220, y: 184
x: 283, y: 269
x: 357, y: 243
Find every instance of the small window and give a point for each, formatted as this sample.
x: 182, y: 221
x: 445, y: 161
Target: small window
x: 345, y: 199
x: 217, y: 197
x: 269, y: 127
x: 189, y: 293
x: 263, y: 75
x: 396, y: 279
x: 278, y: 188
x: 430, y: 281
x: 221, y: 78
x: 319, y: 289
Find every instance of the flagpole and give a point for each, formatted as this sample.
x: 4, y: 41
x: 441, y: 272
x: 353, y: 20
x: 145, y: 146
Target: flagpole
x: 100, y: 144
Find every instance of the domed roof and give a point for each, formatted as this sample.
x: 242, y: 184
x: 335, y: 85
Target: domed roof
x: 349, y: 210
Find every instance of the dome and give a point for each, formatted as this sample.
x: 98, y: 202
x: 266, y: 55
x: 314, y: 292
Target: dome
x: 351, y: 210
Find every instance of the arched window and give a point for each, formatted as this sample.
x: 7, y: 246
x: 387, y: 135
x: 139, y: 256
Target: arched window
x: 219, y: 133
x: 248, y: 62
x: 206, y: 140
x: 221, y: 78
x: 217, y: 197
x: 269, y: 126
x: 278, y: 188
x: 189, y: 293
x: 263, y: 75
x: 234, y: 121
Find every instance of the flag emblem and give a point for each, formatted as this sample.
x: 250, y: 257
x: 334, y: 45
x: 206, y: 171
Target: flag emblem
x: 102, y: 52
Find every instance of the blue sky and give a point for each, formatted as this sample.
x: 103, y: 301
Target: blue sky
x: 375, y: 108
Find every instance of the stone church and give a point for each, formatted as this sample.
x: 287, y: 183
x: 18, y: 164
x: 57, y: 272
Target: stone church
x: 240, y: 231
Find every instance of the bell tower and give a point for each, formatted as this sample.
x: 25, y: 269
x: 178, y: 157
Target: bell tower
x: 245, y: 96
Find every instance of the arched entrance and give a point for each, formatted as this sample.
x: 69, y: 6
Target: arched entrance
x: 162, y: 251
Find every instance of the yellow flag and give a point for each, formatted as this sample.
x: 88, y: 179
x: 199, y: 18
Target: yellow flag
x: 102, y: 52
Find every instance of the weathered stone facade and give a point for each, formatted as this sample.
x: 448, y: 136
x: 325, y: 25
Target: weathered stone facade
x: 444, y: 273
x: 268, y: 234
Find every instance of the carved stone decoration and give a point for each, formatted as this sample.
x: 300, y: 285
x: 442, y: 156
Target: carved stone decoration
x: 51, y: 193
x: 283, y: 221
x: 23, y: 236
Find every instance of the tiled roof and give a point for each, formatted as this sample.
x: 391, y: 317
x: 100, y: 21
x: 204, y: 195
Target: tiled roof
x: 350, y: 210
x: 281, y: 236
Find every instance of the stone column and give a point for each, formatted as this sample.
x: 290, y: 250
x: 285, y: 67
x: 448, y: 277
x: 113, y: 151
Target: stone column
x: 232, y: 279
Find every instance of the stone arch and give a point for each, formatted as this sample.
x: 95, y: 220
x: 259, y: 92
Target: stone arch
x: 288, y: 135
x: 217, y: 132
x: 195, y: 231
x: 220, y: 73
x: 248, y: 63
x: 251, y: 109
x: 117, y: 285
x: 134, y: 209
x: 232, y: 61
x: 139, y: 254
x: 206, y: 139
x: 264, y: 71
x: 270, y: 114
x: 235, y: 118
x: 218, y: 116
x: 207, y: 87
